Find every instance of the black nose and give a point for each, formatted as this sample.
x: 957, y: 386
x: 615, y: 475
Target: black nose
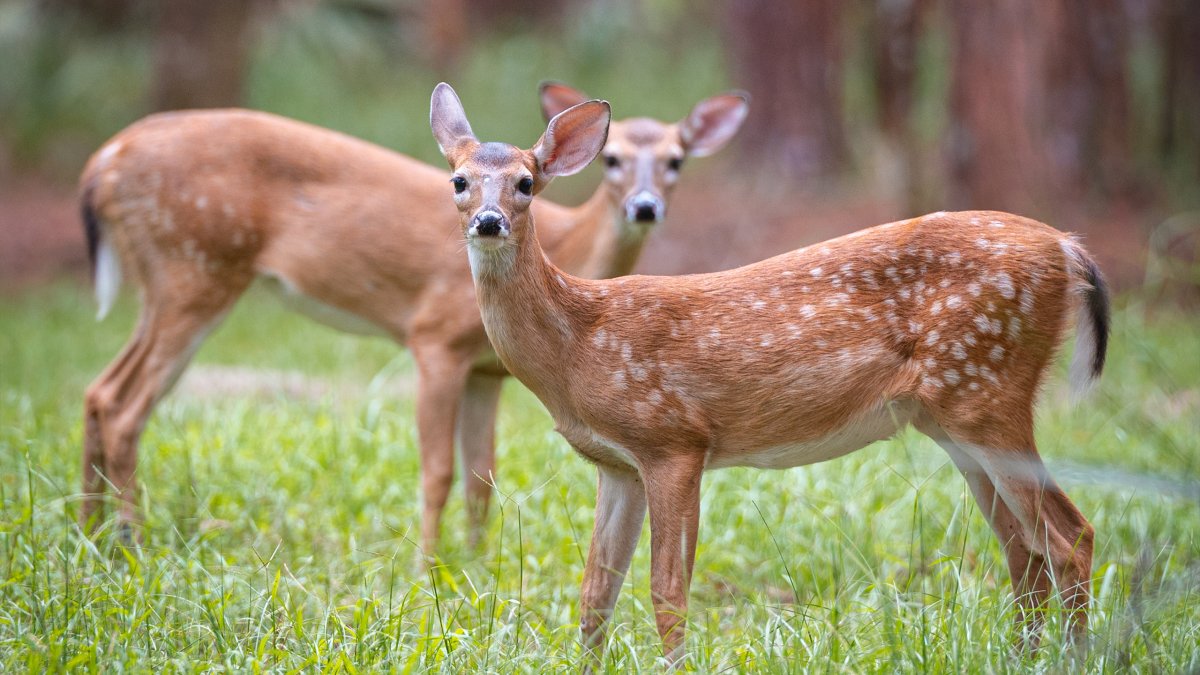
x: 488, y: 225
x: 644, y: 213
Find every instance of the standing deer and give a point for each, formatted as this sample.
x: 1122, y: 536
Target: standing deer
x: 947, y: 322
x: 195, y: 206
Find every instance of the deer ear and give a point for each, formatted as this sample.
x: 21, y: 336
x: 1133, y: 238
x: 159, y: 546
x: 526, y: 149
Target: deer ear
x: 572, y: 139
x: 448, y: 120
x: 557, y: 97
x: 713, y: 122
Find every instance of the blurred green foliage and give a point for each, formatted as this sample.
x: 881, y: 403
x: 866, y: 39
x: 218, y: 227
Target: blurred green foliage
x: 66, y: 87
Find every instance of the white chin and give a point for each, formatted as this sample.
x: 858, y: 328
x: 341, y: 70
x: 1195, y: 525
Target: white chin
x: 488, y: 243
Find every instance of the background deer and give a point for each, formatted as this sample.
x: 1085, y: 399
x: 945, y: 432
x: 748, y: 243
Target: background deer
x: 195, y: 206
x: 947, y: 322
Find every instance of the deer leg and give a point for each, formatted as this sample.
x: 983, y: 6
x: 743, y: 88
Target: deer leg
x: 442, y: 374
x: 119, y: 403
x: 1030, y: 574
x: 98, y: 403
x: 1046, y: 539
x: 477, y: 441
x: 673, y: 497
x: 620, y: 513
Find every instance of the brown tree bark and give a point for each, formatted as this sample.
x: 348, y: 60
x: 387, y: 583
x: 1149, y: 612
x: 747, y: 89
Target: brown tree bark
x: 201, y: 52
x: 896, y: 29
x: 1087, y: 102
x: 788, y: 55
x: 995, y: 160
x: 1179, y: 125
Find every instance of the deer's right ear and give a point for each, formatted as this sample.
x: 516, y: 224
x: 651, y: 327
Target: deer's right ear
x: 557, y: 97
x: 572, y: 140
x: 448, y: 119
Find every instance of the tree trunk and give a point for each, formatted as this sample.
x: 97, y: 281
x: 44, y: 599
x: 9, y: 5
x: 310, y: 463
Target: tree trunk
x: 788, y: 55
x: 894, y: 38
x: 1179, y: 126
x: 1087, y: 96
x: 201, y: 50
x: 994, y: 158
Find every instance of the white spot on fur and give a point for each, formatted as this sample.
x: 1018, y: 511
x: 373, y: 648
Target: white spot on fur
x: 958, y: 351
x: 599, y: 338
x: 936, y: 307
x: 932, y: 337
x: 626, y: 351
x: 997, y: 353
x: 201, y: 202
x: 983, y: 243
x: 974, y: 288
x: 766, y: 340
x: 953, y: 301
x: 1014, y: 327
x: 996, y: 224
x: 807, y: 311
x: 969, y: 338
x: 815, y: 272
x: 1004, y: 282
x: 1026, y: 302
x: 970, y: 369
x: 951, y: 376
x: 988, y: 375
x: 974, y: 386
x: 982, y: 323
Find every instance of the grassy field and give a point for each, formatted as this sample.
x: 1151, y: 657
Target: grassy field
x: 281, y: 492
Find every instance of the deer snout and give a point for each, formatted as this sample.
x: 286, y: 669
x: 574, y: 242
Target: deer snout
x: 489, y: 224
x: 644, y: 207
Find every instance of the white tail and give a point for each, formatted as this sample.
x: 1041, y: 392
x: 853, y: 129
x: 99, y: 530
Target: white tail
x: 946, y: 322
x: 107, y: 279
x: 197, y: 205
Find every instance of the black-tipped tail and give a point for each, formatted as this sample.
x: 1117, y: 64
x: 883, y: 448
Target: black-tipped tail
x: 1098, y: 313
x: 91, y: 227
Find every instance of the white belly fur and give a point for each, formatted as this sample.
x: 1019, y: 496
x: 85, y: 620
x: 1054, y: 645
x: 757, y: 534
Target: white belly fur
x: 875, y: 425
x: 295, y: 299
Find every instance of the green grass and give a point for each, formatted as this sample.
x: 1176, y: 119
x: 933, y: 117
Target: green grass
x: 280, y: 530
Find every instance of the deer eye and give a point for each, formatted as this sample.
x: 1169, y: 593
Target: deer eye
x: 675, y: 163
x: 525, y: 186
x: 612, y: 161
x: 460, y: 184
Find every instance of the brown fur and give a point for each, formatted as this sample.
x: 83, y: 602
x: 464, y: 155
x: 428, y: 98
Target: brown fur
x: 198, y: 205
x: 947, y: 322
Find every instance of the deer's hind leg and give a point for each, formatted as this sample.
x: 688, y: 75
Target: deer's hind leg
x: 175, y: 319
x: 1046, y: 540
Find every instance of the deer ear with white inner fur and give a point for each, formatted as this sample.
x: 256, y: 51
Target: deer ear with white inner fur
x: 572, y: 140
x: 448, y: 119
x: 713, y: 122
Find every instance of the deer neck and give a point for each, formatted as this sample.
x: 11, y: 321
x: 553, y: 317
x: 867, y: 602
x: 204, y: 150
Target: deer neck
x: 596, y: 242
x: 532, y: 311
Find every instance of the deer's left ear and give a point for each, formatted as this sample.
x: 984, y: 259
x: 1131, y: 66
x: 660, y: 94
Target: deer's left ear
x: 572, y: 140
x: 448, y: 119
x: 713, y: 122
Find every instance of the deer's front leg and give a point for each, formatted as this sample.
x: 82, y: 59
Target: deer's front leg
x: 673, y: 495
x: 620, y: 511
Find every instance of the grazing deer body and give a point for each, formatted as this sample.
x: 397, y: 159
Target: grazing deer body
x: 946, y: 322
x: 193, y: 207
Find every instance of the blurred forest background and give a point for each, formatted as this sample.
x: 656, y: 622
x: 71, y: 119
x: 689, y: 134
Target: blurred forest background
x: 1081, y: 113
